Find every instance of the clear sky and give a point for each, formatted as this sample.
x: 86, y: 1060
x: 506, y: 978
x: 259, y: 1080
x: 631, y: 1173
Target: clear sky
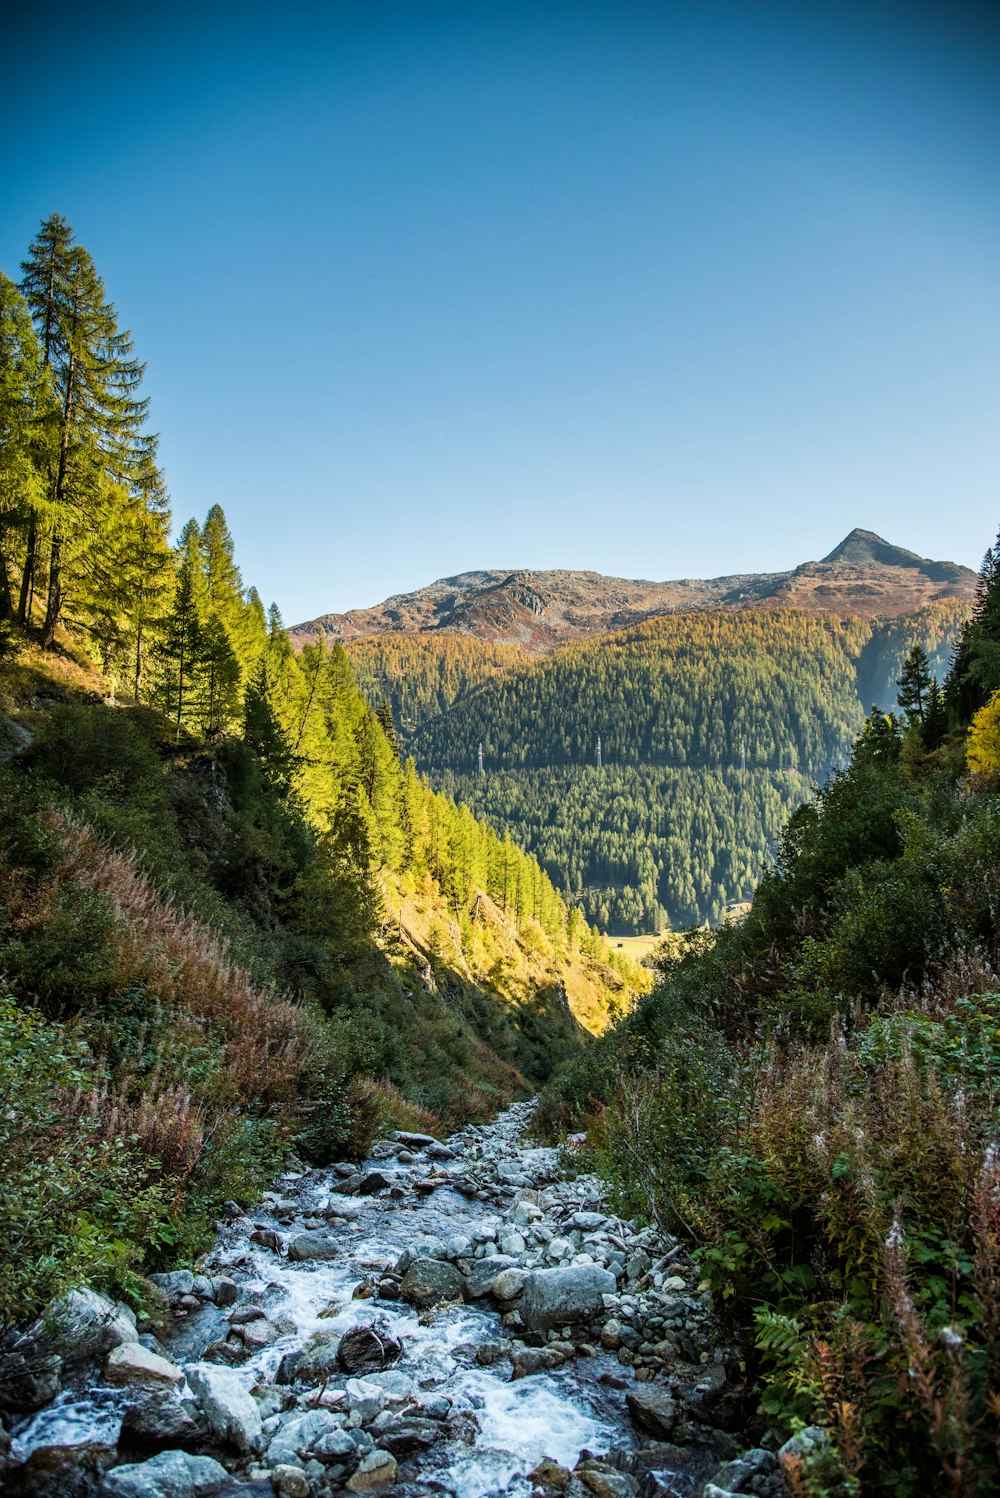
x: 656, y: 289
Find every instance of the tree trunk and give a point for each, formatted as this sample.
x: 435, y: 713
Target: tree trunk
x: 27, y: 576
x: 138, y: 662
x: 53, y: 604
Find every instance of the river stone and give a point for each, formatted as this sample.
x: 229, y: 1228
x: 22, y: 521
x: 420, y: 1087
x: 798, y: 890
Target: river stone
x: 289, y: 1481
x: 653, y: 1410
x: 482, y: 1272
x: 408, y: 1433
x: 605, y: 1482
x: 231, y: 1413
x: 423, y: 1248
x: 372, y: 1182
x: 312, y: 1246
x: 29, y: 1376
x: 296, y: 1439
x: 155, y: 1422
x: 314, y: 1363
x: 415, y: 1141
x: 172, y: 1474
x: 131, y: 1363
x: 509, y: 1283
x: 369, y: 1349
x: 377, y: 1470
x: 175, y: 1284
x: 59, y: 1472
x: 428, y: 1282
x: 557, y: 1297
x: 83, y: 1325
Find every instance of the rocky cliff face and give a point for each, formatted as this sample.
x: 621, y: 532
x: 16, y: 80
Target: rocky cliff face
x: 538, y: 611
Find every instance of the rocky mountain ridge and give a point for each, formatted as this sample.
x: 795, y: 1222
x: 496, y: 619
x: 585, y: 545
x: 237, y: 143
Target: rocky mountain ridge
x: 864, y: 576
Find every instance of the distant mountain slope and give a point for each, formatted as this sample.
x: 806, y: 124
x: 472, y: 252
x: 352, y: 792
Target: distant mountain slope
x: 537, y: 612
x: 713, y: 727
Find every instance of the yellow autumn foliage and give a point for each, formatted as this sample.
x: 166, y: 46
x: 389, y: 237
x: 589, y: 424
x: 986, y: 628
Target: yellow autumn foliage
x: 983, y: 746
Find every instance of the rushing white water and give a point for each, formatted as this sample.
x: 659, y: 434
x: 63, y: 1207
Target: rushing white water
x: 514, y: 1424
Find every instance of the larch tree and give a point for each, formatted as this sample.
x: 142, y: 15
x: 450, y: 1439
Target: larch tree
x: 101, y: 437
x: 25, y: 409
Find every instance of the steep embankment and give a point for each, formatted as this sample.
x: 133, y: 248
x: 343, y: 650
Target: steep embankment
x: 196, y: 976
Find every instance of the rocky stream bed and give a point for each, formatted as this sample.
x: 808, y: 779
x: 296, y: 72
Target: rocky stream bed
x: 462, y: 1319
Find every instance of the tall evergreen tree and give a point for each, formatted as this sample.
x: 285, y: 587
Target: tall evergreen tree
x: 102, y: 416
x: 914, y: 684
x: 25, y: 408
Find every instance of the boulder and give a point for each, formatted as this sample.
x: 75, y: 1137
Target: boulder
x: 509, y: 1284
x: 415, y: 1141
x: 267, y: 1238
x: 558, y: 1297
x: 84, y: 1325
x: 59, y: 1472
x: 289, y: 1481
x: 157, y: 1422
x: 368, y: 1349
x: 482, y: 1272
x: 372, y: 1182
x: 377, y: 1470
x: 296, y: 1439
x: 529, y: 1360
x: 653, y: 1410
x: 232, y: 1415
x: 312, y: 1246
x: 132, y: 1364
x: 408, y: 1434
x: 30, y: 1376
x: 172, y: 1474
x: 429, y: 1282
x: 175, y: 1284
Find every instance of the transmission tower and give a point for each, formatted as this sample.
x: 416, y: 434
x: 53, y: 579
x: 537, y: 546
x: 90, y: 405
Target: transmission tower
x: 480, y: 758
x: 743, y: 756
x: 598, y: 751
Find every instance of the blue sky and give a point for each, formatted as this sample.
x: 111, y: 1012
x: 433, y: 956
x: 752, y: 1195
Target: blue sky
x: 660, y: 290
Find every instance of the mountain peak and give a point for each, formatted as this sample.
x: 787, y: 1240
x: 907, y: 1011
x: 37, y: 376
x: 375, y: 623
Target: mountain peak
x: 865, y: 549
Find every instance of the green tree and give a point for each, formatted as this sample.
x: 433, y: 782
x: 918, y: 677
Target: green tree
x: 914, y: 685
x: 102, y: 417
x: 25, y: 407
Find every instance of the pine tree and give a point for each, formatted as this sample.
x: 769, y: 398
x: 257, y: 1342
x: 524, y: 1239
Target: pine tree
x: 101, y: 436
x: 914, y: 684
x: 25, y: 409
x: 181, y: 649
x: 935, y: 724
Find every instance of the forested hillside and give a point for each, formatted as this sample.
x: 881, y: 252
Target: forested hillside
x: 809, y: 1098
x: 712, y: 725
x: 233, y: 919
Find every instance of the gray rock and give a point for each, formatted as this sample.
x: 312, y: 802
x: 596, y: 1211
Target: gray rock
x: 155, y: 1422
x: 653, y: 1410
x: 377, y: 1470
x: 172, y: 1474
x: 558, y: 1297
x: 133, y: 1365
x: 296, y: 1439
x: 289, y: 1481
x: 369, y: 1349
x: 224, y: 1290
x: 423, y: 1248
x: 232, y: 1415
x: 318, y: 1360
x: 175, y: 1284
x: 480, y: 1276
x: 509, y: 1284
x: 429, y: 1282
x: 312, y: 1246
x: 372, y: 1182
x: 408, y: 1433
x: 415, y: 1141
x: 84, y: 1325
